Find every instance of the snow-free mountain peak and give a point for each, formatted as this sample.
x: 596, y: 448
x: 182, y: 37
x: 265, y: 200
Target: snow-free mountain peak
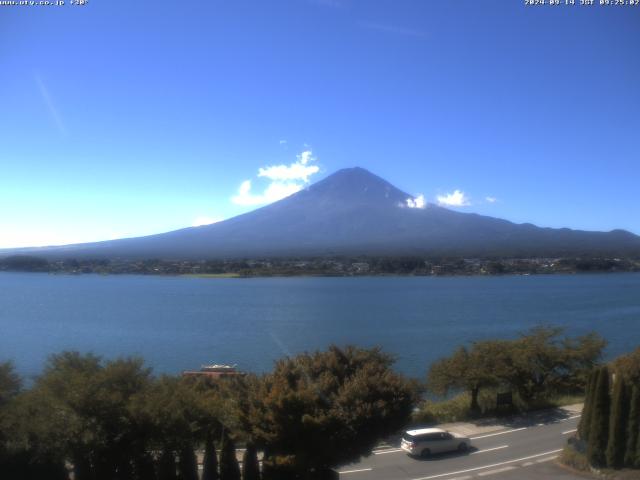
x: 355, y: 212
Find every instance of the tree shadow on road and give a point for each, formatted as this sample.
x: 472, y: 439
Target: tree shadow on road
x: 434, y: 457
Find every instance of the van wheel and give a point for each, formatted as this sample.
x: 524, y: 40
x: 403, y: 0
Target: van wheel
x: 425, y: 453
x: 463, y: 447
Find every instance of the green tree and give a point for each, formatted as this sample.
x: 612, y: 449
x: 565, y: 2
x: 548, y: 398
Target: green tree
x: 599, y: 430
x: 633, y: 428
x: 541, y: 363
x: 585, y: 419
x: 68, y: 387
x: 167, y: 465
x: 250, y: 465
x: 144, y: 466
x: 229, y: 468
x: 32, y: 439
x: 328, y: 408
x: 10, y: 383
x: 468, y: 370
x: 210, y: 461
x: 636, y: 463
x: 629, y: 366
x: 88, y: 406
x: 537, y: 364
x: 188, y: 463
x: 618, y: 424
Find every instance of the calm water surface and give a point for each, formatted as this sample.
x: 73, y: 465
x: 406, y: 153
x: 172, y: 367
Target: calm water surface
x: 179, y: 323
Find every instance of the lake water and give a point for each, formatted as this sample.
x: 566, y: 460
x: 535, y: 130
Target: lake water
x: 179, y: 323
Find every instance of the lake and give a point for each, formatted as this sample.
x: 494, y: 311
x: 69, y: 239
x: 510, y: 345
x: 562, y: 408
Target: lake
x: 179, y: 323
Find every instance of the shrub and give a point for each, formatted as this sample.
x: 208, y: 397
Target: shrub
x: 574, y: 459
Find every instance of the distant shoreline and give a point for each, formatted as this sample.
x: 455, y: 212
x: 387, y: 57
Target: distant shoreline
x: 315, y: 275
x: 328, y: 267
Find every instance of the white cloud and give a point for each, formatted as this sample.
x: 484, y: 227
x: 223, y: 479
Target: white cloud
x: 417, y: 202
x: 300, y: 170
x: 285, y: 180
x: 491, y: 199
x: 455, y: 199
x: 204, y: 220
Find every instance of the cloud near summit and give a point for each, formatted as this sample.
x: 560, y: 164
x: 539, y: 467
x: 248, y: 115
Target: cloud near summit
x: 285, y: 180
x: 455, y: 199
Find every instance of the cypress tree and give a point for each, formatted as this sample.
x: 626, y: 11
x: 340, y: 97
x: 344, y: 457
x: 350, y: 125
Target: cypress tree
x: 250, y: 465
x: 633, y: 427
x: 599, y: 429
x: 585, y: 419
x: 229, y: 468
x: 188, y: 464
x: 143, y: 467
x: 268, y: 471
x: 82, y: 469
x: 636, y: 461
x: 618, y: 424
x: 167, y: 465
x: 210, y: 462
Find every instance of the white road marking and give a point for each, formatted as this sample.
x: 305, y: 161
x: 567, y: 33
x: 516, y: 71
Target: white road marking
x: 547, y: 459
x: 355, y: 471
x: 466, y: 477
x: 489, y: 466
x: 489, y: 449
x: 499, y: 433
x: 382, y: 452
x: 497, y: 470
x: 569, y: 431
x: 571, y: 418
x: 527, y: 464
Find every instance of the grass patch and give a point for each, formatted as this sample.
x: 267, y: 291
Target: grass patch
x: 455, y: 409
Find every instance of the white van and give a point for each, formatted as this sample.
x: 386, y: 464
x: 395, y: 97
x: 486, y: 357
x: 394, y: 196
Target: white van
x: 426, y: 441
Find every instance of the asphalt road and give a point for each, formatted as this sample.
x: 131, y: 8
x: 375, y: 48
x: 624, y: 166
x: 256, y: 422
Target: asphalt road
x: 526, y: 450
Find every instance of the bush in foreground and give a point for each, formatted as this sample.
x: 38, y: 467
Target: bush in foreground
x: 321, y: 410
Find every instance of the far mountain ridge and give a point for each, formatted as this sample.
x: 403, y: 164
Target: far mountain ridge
x: 355, y: 212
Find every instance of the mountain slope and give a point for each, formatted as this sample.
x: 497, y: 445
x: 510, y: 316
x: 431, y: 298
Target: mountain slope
x: 354, y: 212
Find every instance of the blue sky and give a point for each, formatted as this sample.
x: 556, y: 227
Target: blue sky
x: 122, y: 118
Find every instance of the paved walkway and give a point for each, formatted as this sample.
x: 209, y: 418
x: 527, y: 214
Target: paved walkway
x: 489, y: 425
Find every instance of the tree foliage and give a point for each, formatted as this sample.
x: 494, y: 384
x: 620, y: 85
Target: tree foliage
x: 537, y: 364
x: 210, y: 461
x: 467, y: 369
x: 250, y: 465
x: 631, y: 457
x: 618, y: 424
x: 229, y: 468
x: 629, y: 367
x: 10, y: 382
x: 587, y: 408
x: 328, y: 408
x: 599, y: 429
